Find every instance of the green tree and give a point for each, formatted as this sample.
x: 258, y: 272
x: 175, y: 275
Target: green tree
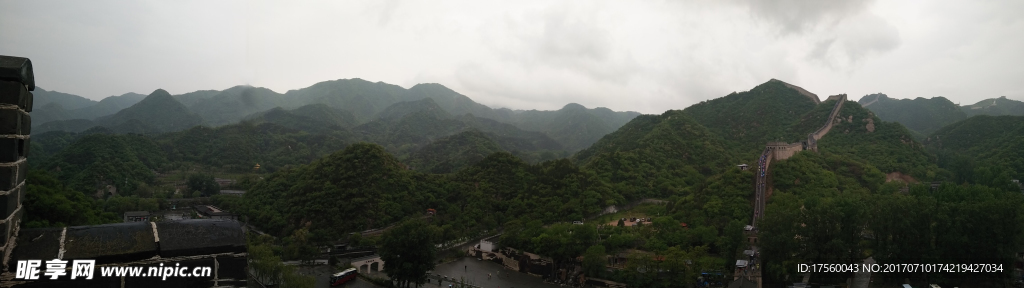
x: 49, y: 203
x: 268, y: 268
x: 300, y: 247
x: 594, y: 261
x: 204, y: 183
x: 408, y: 251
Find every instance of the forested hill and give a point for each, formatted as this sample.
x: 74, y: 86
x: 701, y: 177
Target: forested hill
x: 279, y: 137
x: 232, y: 105
x: 157, y: 113
x: 54, y: 106
x: 921, y: 115
x: 861, y: 136
x: 748, y: 120
x: 982, y: 148
x: 658, y: 155
x: 995, y: 107
x: 452, y: 153
x: 363, y: 187
x: 313, y: 118
x: 924, y: 116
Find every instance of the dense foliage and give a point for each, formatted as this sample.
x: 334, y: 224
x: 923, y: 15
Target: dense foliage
x: 204, y: 183
x: 888, y: 146
x: 987, y: 150
x: 48, y: 203
x: 748, y: 120
x: 657, y: 156
x: 94, y: 161
x: 408, y: 252
x: 241, y: 146
x: 950, y: 225
x: 830, y: 208
x: 316, y: 118
x: 467, y: 148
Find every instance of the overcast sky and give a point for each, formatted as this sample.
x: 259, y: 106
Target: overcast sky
x: 646, y: 56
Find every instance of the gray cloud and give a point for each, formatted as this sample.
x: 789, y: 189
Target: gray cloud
x: 646, y: 56
x: 797, y: 16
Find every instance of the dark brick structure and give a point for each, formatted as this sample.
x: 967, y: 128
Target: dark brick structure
x: 217, y: 244
x: 16, y: 82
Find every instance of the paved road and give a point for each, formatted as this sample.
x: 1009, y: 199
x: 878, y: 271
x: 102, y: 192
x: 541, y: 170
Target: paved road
x: 863, y: 279
x: 475, y: 272
x: 323, y: 273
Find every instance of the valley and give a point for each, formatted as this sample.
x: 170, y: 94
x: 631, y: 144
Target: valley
x: 330, y: 171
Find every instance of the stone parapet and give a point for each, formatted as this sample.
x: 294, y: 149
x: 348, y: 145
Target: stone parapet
x: 218, y: 244
x: 16, y: 80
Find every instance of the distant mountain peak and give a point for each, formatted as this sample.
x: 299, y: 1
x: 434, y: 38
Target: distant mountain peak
x: 160, y: 92
x: 158, y: 112
x: 802, y: 91
x: 573, y: 106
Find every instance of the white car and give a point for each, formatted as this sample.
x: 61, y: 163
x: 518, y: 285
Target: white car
x: 577, y: 222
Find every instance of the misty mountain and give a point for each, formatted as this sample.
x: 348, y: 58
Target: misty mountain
x: 231, y: 105
x: 312, y: 118
x: 510, y: 137
x: 107, y: 106
x: 453, y: 153
x: 573, y: 127
x: 921, y: 115
x: 157, y: 113
x: 401, y: 109
x: 73, y: 125
x: 58, y: 106
x: 191, y: 98
x: 995, y: 107
x: 41, y: 98
x: 407, y: 127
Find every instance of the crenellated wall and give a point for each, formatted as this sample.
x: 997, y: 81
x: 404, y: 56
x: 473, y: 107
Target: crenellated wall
x: 784, y: 150
x: 812, y: 139
x: 16, y: 84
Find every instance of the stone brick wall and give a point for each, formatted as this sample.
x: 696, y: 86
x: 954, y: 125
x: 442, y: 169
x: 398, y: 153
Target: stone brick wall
x: 812, y: 139
x: 16, y: 84
x: 783, y: 150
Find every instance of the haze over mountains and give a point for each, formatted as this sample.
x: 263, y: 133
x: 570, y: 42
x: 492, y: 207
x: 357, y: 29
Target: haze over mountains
x: 433, y: 128
x: 927, y: 115
x: 485, y: 173
x: 348, y: 103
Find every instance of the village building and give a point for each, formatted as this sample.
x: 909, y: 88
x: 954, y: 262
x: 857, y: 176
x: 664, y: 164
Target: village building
x: 212, y: 212
x: 136, y: 216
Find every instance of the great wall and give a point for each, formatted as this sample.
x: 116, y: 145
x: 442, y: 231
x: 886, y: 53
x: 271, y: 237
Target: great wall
x: 750, y: 272
x: 783, y: 150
